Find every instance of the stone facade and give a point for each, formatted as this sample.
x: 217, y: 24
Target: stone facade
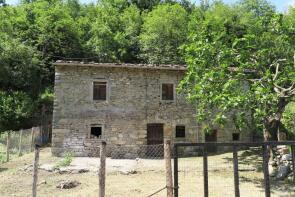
x: 133, y: 101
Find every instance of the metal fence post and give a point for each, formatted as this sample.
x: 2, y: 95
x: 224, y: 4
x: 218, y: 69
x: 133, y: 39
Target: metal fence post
x: 265, y: 170
x: 205, y: 170
x: 175, y: 171
x: 167, y: 156
x: 102, y: 169
x: 236, y: 171
x: 35, y: 171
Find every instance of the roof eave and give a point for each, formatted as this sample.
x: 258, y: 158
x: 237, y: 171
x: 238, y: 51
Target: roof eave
x: 115, y: 65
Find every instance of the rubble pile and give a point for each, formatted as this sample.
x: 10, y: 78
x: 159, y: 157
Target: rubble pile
x: 281, y: 167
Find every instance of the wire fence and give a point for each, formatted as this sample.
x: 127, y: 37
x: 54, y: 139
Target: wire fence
x: 221, y: 172
x: 17, y: 143
x: 136, y: 170
x: 141, y: 171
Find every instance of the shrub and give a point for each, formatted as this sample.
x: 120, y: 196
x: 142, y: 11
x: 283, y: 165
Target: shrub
x: 2, y: 158
x: 66, y: 161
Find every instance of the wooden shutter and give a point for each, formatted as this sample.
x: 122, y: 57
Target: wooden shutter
x: 167, y: 91
x: 99, y: 90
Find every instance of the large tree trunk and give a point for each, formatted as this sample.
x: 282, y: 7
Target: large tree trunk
x: 273, y: 124
x: 271, y: 128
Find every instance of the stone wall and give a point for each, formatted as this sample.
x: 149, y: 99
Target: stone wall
x: 133, y: 101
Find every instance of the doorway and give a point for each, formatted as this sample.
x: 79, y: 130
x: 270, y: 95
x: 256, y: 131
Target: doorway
x: 211, y: 137
x: 155, y: 141
x: 155, y: 134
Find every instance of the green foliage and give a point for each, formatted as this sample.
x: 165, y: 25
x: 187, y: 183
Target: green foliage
x: 15, y: 109
x: 2, y: 3
x: 145, y: 4
x: 2, y: 158
x: 248, y: 36
x: 164, y: 30
x: 115, y: 33
x: 240, y: 59
x: 20, y: 66
x: 66, y: 161
x: 288, y: 118
x: 47, y: 97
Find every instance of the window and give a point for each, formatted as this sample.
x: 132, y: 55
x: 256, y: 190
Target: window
x: 180, y: 131
x: 100, y: 91
x: 96, y: 132
x: 167, y: 91
x: 236, y: 136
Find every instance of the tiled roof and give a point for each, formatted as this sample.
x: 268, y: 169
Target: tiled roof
x: 121, y: 65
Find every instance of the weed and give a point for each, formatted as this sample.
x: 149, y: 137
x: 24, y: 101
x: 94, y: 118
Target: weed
x: 2, y: 158
x: 66, y: 161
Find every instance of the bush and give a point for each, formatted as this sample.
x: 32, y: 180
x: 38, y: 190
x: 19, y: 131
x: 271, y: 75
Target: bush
x: 66, y: 161
x: 2, y: 158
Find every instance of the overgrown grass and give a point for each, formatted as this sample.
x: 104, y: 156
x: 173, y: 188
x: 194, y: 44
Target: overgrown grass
x: 66, y: 161
x: 2, y: 158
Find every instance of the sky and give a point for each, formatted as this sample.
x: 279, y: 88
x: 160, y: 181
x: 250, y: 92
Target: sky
x: 281, y: 5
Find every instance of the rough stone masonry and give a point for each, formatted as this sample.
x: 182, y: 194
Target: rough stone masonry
x: 133, y: 101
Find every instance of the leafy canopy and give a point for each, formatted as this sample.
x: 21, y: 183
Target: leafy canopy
x: 15, y: 109
x: 164, y: 30
x: 115, y: 33
x: 240, y: 65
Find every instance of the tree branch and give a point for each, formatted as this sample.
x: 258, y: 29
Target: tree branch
x: 285, y: 89
x: 277, y: 63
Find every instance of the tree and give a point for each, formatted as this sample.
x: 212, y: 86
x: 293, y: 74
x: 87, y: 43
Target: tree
x: 240, y: 67
x: 145, y: 4
x: 2, y: 3
x: 20, y: 67
x: 257, y: 7
x: 163, y: 32
x: 115, y: 33
x: 15, y: 110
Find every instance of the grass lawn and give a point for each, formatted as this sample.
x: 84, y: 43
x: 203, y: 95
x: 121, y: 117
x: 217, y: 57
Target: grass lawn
x: 149, y: 177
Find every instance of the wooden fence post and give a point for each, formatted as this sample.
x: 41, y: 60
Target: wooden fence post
x: 32, y: 139
x: 102, y: 169
x: 167, y: 156
x: 35, y: 171
x: 7, y: 146
x: 20, y: 143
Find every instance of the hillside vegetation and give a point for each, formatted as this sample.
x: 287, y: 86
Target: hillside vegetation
x: 209, y: 38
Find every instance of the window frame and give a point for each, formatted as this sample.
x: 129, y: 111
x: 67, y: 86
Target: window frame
x: 174, y: 92
x: 95, y: 125
x: 176, y: 131
x: 107, y: 90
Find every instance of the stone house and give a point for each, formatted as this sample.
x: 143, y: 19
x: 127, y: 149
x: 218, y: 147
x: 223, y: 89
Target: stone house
x: 127, y: 105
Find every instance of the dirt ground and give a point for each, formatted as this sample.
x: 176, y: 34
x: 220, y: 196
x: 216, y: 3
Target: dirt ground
x: 146, y: 177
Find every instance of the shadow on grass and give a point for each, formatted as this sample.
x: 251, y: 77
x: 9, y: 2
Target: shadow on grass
x: 275, y: 185
x: 3, y: 169
x: 253, y: 157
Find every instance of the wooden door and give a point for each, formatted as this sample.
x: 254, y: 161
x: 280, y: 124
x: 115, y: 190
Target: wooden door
x: 155, y: 141
x: 155, y: 134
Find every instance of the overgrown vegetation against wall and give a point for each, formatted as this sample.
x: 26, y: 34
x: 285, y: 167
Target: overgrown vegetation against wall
x: 33, y: 34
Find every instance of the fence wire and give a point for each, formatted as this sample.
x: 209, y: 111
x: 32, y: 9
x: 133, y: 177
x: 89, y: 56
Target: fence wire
x: 221, y: 173
x: 136, y: 170
x: 20, y: 142
x: 139, y: 171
